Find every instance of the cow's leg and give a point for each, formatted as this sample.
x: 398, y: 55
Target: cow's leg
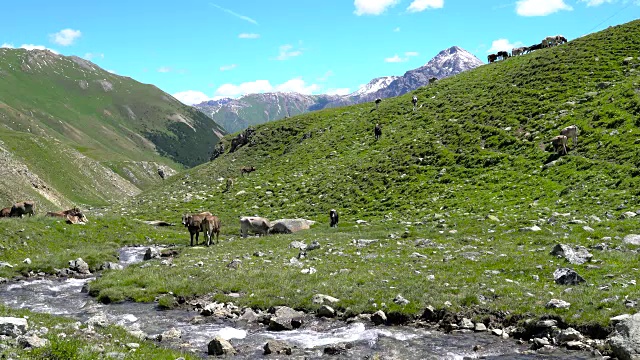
x: 191, y: 233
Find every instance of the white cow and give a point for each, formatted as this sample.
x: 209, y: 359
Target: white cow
x: 255, y: 224
x: 559, y: 143
x: 571, y: 132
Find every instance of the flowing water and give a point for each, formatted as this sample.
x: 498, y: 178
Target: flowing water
x: 64, y: 297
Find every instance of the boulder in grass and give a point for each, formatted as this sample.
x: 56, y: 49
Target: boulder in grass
x: 289, y: 226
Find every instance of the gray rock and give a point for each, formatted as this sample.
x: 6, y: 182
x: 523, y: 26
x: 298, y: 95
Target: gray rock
x: 171, y: 334
x: 625, y: 338
x: 314, y: 245
x: 32, y: 341
x: 379, y: 317
x: 5, y: 264
x: 111, y: 266
x: 557, y: 304
x: 466, y: 324
x: 219, y: 346
x: 479, y: 327
x: 249, y: 316
x: 277, y: 347
x: 285, y: 318
x: 98, y: 320
x: 234, y: 264
x: 400, y: 300
x: 628, y: 215
x: 27, y: 261
x: 326, y: 311
x: 79, y: 266
x: 298, y: 245
x: 289, y: 226
x: 565, y: 276
x: 576, y: 256
x: 151, y: 253
x: 569, y: 334
x: 632, y: 239
x: 322, y: 299
x: 12, y: 326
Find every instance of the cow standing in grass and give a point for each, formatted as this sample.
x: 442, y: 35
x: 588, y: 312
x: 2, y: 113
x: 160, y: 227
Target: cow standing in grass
x: 193, y: 223
x: 246, y: 170
x: 23, y: 208
x: 378, y: 101
x: 211, y: 226
x: 559, y: 144
x: 571, y: 132
x: 333, y: 218
x: 414, y: 101
x: 377, y: 131
x: 161, y: 173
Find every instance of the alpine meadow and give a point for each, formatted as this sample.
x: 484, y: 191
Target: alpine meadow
x: 454, y: 214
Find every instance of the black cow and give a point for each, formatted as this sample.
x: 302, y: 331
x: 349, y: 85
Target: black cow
x: 333, y: 217
x: 503, y: 54
x: 378, y: 101
x: 161, y: 173
x: 491, y: 58
x: 414, y: 101
x: 377, y: 131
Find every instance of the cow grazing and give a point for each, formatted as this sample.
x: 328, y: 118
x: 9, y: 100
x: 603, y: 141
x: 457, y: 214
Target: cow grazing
x: 161, y: 173
x: 377, y: 101
x: 559, y: 144
x: 518, y: 51
x: 255, y: 224
x: 246, y: 170
x: 333, y: 218
x: 549, y: 41
x: 414, y: 101
x: 571, y: 132
x: 432, y: 80
x: 210, y: 226
x: 5, y: 212
x: 193, y: 223
x: 491, y: 58
x: 377, y: 131
x: 22, y: 208
x: 72, y: 216
x: 503, y: 54
x: 230, y: 182
x: 560, y: 40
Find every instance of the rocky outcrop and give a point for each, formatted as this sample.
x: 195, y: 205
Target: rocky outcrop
x: 576, y: 256
x: 625, y: 339
x: 289, y: 226
x: 12, y: 326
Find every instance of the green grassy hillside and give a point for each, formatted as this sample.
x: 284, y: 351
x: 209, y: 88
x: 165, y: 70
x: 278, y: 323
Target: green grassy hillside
x: 69, y: 105
x: 450, y: 195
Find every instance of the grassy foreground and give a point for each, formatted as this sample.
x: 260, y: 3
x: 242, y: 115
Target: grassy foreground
x: 69, y: 340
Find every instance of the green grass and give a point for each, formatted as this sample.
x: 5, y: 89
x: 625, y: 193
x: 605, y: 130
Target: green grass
x: 475, y: 148
x: 68, y: 342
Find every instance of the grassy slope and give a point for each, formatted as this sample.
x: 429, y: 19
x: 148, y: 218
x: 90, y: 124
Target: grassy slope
x: 111, y: 119
x: 472, y: 150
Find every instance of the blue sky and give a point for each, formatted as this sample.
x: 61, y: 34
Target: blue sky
x: 199, y: 50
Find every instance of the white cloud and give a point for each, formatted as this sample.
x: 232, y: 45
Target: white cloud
x: 91, y: 56
x: 395, y: 59
x: 232, y: 90
x: 286, y: 52
x: 297, y: 85
x: 596, y: 2
x: 248, y: 36
x: 165, y: 69
x: 36, y: 47
x: 422, y: 5
x: 411, y: 53
x: 540, y: 7
x: 373, y: 7
x: 65, y: 37
x: 503, y: 45
x: 228, y: 67
x: 339, y: 91
x: 191, y: 97
x: 6, y: 46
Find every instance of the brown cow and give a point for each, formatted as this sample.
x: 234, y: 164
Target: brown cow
x: 247, y: 169
x: 211, y: 225
x: 491, y: 58
x: 559, y: 143
x: 230, y: 182
x: 22, y: 208
x: 73, y: 216
x: 193, y: 222
x: 5, y: 212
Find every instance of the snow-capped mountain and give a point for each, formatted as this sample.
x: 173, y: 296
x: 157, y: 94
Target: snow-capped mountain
x: 374, y: 85
x: 237, y: 114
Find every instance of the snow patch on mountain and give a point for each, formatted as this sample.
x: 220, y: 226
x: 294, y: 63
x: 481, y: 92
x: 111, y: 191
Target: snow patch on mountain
x: 373, y: 86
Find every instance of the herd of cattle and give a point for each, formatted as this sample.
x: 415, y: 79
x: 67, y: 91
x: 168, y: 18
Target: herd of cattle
x: 549, y: 41
x: 72, y: 216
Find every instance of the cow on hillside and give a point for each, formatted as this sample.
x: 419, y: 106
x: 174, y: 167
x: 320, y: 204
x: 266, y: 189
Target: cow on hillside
x: 193, y: 223
x: 247, y: 169
x: 161, y: 173
x: 72, y: 216
x: 559, y: 144
x: 571, y: 132
x: 378, y: 101
x: 414, y: 101
x: 491, y: 58
x: 255, y: 224
x: 23, y: 208
x: 377, y: 131
x: 211, y: 226
x: 333, y: 218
